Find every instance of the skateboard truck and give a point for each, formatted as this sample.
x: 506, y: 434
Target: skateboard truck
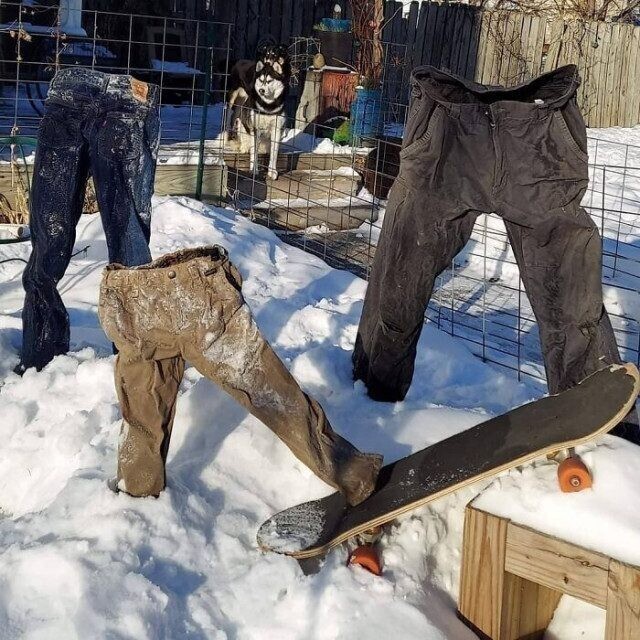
x: 573, y: 474
x: 365, y: 553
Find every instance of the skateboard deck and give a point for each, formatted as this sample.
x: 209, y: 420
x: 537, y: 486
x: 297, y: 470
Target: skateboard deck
x: 544, y: 426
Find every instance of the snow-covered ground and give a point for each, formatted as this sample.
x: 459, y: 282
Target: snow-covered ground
x: 77, y: 561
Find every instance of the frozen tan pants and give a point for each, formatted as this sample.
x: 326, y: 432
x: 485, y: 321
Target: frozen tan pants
x: 188, y: 305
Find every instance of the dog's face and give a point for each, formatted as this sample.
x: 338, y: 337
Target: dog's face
x: 271, y: 69
x: 268, y: 87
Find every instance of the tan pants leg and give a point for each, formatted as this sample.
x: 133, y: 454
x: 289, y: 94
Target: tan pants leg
x: 234, y: 354
x: 147, y: 390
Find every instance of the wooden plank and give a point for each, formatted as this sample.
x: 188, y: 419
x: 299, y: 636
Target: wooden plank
x: 387, y: 29
x: 603, y: 55
x: 296, y: 19
x: 556, y: 36
x: 253, y: 20
x: 527, y: 608
x: 457, y: 43
x: 583, y: 50
x: 556, y: 564
x: 448, y: 42
x: 180, y: 180
x: 286, y: 21
x: 410, y: 60
x: 539, y: 47
x: 493, y: 35
x: 398, y: 24
x: 240, y: 48
x: 633, y: 115
x: 421, y: 28
x: 473, y: 59
x: 516, y: 48
x: 437, y: 27
x: 307, y: 17
x: 623, y: 602
x: 629, y: 77
x: 432, y: 24
x: 482, y: 570
x: 497, y: 53
x: 525, y: 49
x: 483, y: 47
x: 466, y: 35
x: 612, y: 77
x: 589, y: 71
x: 620, y: 100
x: 613, y: 70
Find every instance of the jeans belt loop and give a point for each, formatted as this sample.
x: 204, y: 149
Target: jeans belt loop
x: 454, y: 110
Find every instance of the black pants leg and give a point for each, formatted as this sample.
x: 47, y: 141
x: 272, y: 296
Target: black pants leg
x: 416, y: 244
x: 560, y: 266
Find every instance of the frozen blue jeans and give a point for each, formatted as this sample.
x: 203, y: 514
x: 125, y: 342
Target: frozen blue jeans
x: 99, y: 124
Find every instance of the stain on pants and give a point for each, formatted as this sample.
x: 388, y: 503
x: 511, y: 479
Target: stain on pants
x: 188, y: 306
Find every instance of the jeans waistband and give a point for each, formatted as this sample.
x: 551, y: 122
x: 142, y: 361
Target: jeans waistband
x: 73, y: 84
x: 548, y: 91
x: 211, y: 255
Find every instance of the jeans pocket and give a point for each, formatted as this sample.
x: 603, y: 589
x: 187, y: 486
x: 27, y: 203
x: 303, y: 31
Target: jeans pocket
x: 121, y: 137
x: 57, y: 130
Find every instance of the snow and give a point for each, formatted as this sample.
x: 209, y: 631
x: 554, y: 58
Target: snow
x: 77, y: 561
x: 181, y: 68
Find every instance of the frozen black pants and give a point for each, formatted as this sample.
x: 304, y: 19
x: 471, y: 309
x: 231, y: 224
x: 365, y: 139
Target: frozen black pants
x: 468, y: 149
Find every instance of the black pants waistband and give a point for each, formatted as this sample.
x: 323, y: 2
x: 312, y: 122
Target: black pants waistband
x: 549, y: 90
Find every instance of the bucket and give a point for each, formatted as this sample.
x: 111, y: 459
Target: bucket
x: 366, y: 114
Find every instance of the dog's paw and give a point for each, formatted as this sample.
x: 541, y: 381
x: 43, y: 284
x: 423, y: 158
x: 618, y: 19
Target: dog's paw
x: 272, y: 174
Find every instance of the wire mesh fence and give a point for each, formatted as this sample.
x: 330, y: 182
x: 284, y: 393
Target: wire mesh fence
x: 187, y: 58
x: 329, y: 197
x: 330, y: 201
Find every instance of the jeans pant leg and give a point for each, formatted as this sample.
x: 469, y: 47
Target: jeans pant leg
x: 232, y: 352
x: 147, y: 391
x: 123, y: 157
x: 57, y: 195
x: 147, y: 381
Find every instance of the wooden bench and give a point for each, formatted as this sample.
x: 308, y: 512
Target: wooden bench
x: 513, y: 577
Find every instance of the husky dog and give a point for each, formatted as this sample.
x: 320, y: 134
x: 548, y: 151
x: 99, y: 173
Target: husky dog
x: 255, y: 103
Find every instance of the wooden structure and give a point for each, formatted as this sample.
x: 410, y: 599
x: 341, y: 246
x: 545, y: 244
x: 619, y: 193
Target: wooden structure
x: 508, y: 47
x: 513, y: 578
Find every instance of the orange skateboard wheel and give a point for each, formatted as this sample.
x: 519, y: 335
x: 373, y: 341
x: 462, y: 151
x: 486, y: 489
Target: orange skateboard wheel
x: 368, y: 558
x: 573, y: 475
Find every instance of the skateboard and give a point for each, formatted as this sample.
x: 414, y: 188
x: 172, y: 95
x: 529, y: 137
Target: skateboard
x: 544, y: 427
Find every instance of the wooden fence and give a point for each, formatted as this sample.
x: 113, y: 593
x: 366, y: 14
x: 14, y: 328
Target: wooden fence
x: 279, y: 19
x: 507, y: 47
x: 492, y: 47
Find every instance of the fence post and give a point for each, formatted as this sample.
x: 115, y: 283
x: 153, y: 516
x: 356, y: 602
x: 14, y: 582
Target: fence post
x: 205, y: 108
